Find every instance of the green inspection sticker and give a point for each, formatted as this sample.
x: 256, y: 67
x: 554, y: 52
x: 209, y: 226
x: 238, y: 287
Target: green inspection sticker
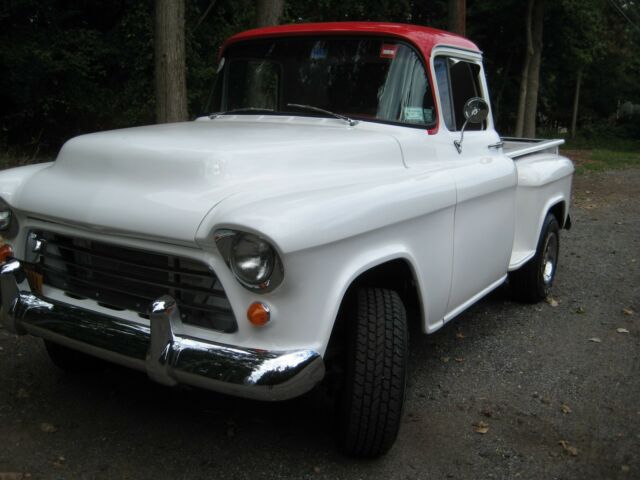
x: 414, y: 114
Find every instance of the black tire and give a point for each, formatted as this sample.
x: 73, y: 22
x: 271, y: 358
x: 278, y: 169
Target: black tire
x: 71, y: 361
x: 370, y: 403
x: 532, y: 282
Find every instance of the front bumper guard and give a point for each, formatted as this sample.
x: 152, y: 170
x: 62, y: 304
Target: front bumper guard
x: 165, y: 356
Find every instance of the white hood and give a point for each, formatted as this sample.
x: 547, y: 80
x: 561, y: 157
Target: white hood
x: 160, y: 181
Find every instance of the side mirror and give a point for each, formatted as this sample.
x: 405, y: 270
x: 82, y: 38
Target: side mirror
x: 475, y: 110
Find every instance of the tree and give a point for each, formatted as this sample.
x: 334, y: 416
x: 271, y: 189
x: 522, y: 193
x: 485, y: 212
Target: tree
x: 533, y: 79
x: 269, y: 12
x: 530, y: 81
x: 524, y: 78
x: 582, y: 37
x: 170, y: 62
x: 457, y: 16
x: 89, y: 66
x: 405, y: 11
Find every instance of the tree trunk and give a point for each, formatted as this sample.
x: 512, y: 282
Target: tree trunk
x: 170, y: 62
x: 524, y: 79
x: 576, y: 101
x: 269, y: 12
x: 457, y: 16
x: 533, y: 85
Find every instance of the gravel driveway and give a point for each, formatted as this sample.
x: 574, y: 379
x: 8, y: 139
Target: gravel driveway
x: 555, y: 388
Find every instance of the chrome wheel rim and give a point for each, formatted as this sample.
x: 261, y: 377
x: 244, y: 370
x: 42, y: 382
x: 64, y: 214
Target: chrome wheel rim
x: 549, y: 258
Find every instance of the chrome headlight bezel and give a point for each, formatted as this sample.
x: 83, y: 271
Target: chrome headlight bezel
x: 231, y: 244
x: 7, y: 220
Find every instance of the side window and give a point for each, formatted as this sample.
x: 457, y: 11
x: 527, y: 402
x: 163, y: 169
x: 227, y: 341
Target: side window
x: 458, y: 81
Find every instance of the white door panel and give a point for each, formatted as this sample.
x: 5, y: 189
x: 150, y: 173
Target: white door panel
x: 484, y: 227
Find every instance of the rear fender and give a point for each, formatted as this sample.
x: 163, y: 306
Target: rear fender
x: 544, y: 181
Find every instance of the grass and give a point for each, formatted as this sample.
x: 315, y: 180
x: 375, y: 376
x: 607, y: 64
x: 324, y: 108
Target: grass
x: 612, y: 159
x: 603, y: 154
x: 607, y: 143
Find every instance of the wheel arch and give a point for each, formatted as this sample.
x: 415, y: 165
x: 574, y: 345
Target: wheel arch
x: 397, y: 274
x: 394, y: 273
x: 559, y: 210
x: 557, y: 206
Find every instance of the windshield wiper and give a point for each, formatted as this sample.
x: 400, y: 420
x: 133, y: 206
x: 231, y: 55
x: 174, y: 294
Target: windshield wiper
x: 239, y: 110
x: 350, y: 121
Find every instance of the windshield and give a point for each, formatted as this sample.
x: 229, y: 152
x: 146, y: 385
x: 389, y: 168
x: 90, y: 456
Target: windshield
x: 367, y: 78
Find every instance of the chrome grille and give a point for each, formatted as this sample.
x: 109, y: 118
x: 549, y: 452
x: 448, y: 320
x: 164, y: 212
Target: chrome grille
x: 122, y: 278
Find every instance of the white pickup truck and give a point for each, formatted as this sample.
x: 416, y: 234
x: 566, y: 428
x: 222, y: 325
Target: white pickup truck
x: 351, y: 172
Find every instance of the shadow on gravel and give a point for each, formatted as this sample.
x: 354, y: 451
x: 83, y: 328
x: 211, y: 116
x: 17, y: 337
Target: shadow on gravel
x: 123, y: 405
x: 211, y: 418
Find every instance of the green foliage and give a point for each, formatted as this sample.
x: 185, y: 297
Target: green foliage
x: 497, y: 27
x: 592, y: 35
x: 348, y: 10
x: 71, y: 68
x: 16, y: 157
x: 621, y: 136
x: 87, y: 66
x: 204, y: 36
x: 74, y: 67
x: 582, y: 36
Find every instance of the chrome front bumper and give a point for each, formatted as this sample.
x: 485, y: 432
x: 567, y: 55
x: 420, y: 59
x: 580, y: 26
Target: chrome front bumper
x: 167, y: 357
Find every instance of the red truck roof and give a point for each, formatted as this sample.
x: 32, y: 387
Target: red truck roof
x: 424, y: 38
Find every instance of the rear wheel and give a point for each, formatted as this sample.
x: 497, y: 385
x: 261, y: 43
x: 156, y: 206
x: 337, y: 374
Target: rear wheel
x: 532, y: 282
x: 71, y: 361
x: 372, y: 394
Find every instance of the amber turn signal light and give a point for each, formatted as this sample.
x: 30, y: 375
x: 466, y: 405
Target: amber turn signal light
x: 5, y: 252
x: 258, y: 314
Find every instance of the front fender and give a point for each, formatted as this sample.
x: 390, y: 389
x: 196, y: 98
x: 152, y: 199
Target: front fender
x: 12, y: 180
x: 305, y: 306
x: 329, y: 235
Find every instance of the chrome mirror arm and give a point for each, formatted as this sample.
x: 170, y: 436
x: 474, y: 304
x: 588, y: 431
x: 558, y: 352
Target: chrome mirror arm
x: 458, y: 143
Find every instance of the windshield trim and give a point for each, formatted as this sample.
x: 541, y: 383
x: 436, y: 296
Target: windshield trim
x: 360, y: 120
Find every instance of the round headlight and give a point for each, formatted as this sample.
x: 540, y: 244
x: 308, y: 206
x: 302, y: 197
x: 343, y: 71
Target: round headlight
x: 252, y: 259
x: 5, y: 219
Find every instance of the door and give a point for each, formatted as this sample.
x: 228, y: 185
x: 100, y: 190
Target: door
x: 484, y: 222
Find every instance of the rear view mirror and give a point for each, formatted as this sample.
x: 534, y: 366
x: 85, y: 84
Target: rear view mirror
x: 475, y: 110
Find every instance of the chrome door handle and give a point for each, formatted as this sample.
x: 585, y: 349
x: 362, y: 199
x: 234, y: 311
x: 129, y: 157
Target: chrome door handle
x: 496, y: 145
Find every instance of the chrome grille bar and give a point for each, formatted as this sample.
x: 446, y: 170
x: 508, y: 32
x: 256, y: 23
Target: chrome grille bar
x: 114, y: 274
x: 133, y: 264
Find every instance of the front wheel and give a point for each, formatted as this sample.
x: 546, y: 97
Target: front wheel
x: 532, y: 282
x: 372, y: 396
